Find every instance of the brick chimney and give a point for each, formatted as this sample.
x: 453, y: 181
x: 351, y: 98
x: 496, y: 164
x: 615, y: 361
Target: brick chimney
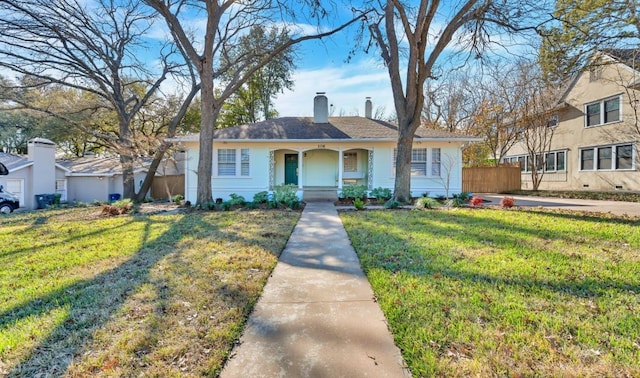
x: 368, y: 108
x: 320, y: 108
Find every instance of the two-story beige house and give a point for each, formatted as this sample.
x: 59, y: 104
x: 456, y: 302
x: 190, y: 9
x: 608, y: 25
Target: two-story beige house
x: 595, y: 141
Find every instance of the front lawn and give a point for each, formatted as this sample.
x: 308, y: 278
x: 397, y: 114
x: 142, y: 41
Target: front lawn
x: 471, y: 292
x: 159, y: 295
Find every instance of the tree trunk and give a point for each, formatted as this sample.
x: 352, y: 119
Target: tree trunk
x: 207, y: 122
x: 402, y: 191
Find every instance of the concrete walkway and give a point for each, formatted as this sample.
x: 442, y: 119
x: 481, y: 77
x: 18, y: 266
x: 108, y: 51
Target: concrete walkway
x: 317, y: 316
x: 613, y: 207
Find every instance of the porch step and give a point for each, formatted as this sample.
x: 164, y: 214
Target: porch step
x: 319, y: 195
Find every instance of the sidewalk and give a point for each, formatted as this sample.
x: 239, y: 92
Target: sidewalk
x: 600, y: 206
x: 316, y: 316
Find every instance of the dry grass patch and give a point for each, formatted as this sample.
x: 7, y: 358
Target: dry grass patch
x: 161, y: 295
x: 476, y: 292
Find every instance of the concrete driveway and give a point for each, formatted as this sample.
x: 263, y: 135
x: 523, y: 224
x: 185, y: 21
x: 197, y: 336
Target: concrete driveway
x: 613, y: 207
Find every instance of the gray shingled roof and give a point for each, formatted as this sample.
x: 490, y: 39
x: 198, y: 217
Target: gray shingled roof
x: 12, y: 161
x: 630, y: 57
x: 338, y: 128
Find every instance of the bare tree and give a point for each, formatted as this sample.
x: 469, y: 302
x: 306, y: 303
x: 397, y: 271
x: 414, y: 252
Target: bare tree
x: 93, y: 49
x: 210, y: 56
x: 533, y: 118
x: 421, y: 45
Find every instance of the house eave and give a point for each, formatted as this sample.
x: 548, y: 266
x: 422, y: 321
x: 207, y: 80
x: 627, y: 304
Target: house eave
x: 14, y: 169
x: 325, y: 141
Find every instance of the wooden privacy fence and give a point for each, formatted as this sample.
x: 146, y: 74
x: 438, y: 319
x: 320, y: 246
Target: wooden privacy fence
x: 164, y: 185
x: 504, y: 178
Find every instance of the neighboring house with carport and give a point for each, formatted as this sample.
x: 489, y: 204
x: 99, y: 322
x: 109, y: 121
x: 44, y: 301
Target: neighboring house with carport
x: 323, y: 153
x: 32, y: 174
x: 92, y: 178
x: 595, y: 141
x: 86, y: 179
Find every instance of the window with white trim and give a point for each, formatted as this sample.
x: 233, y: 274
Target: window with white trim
x: 350, y: 161
x: 421, y: 166
x: 602, y: 112
x: 607, y: 158
x: 227, y: 162
x: 435, y: 162
x: 419, y: 162
x: 554, y: 161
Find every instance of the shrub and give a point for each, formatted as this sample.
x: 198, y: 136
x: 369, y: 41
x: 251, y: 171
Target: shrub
x: 392, y: 204
x: 475, y: 201
x: 464, y: 196
x: 236, y: 200
x: 455, y: 202
x: 178, y: 198
x: 441, y: 198
x: 286, y: 195
x: 118, y: 207
x: 426, y: 203
x: 507, y: 202
x: 261, y: 197
x: 358, y: 203
x: 354, y: 191
x: 381, y: 194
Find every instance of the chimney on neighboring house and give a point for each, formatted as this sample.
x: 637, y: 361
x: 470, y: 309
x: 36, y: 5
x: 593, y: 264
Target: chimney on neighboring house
x: 42, y: 152
x: 368, y: 108
x: 320, y: 108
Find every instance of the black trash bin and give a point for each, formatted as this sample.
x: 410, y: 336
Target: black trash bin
x: 114, y: 197
x: 43, y: 201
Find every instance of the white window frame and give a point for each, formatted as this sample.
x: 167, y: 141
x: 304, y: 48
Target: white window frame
x: 602, y: 111
x: 356, y: 161
x: 241, y: 164
x: 614, y: 158
x: 61, y: 187
x: 428, y: 163
x: 525, y: 167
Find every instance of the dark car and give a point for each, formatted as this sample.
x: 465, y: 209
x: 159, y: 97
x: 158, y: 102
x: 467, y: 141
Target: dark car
x: 8, y: 201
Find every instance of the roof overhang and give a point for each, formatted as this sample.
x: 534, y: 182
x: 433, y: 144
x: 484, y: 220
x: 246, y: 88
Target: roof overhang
x: 362, y: 140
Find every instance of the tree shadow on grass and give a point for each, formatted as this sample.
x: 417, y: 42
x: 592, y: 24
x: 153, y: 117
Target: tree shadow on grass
x: 408, y: 256
x: 91, y: 303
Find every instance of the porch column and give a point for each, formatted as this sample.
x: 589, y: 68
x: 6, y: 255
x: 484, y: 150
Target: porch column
x: 272, y: 169
x: 300, y: 157
x: 370, y: 170
x: 340, y: 167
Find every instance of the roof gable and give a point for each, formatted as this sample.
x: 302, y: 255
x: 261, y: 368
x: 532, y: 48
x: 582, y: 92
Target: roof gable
x: 14, y: 162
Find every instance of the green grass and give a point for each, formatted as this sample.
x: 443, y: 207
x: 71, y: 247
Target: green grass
x: 488, y: 292
x: 160, y: 295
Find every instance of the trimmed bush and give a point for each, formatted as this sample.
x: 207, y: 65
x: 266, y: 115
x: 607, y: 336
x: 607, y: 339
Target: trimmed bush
x: 381, y: 194
x: 392, y: 204
x: 475, y: 201
x: 261, y: 197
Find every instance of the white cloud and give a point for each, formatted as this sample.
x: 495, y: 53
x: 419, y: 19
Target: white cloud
x: 346, y: 87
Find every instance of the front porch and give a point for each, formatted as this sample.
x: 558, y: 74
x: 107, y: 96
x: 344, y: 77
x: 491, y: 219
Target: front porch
x: 321, y: 170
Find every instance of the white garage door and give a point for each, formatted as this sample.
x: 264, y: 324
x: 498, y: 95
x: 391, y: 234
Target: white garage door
x: 16, y: 186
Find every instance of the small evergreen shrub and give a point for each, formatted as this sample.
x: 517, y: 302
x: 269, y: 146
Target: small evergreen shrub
x: 455, y: 202
x: 426, y: 203
x: 358, y: 203
x: 286, y: 195
x: 463, y: 196
x: 261, y: 197
x: 392, y: 204
x: 354, y: 191
x: 507, y: 202
x: 381, y: 194
x: 236, y: 200
x: 178, y: 198
x: 441, y: 198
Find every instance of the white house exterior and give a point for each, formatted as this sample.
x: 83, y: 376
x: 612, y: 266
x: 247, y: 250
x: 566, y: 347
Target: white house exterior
x: 323, y: 152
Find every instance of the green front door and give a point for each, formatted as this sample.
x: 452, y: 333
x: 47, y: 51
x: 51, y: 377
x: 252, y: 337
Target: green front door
x: 291, y: 169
